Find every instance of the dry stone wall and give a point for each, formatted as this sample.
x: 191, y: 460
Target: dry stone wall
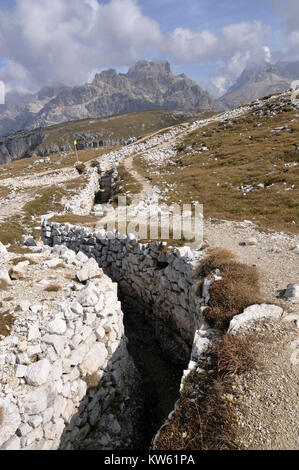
x: 160, y: 283
x: 82, y: 203
x: 65, y: 366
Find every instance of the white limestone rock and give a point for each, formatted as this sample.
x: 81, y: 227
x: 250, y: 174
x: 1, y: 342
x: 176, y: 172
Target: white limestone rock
x: 38, y: 373
x: 57, y: 341
x: 88, y: 296
x: 23, y: 306
x: 10, y: 420
x: 21, y: 371
x: 95, y: 359
x: 3, y: 251
x: 12, y: 444
x: 4, y: 277
x: 56, y: 326
x: 80, y: 258
x: 36, y: 401
x: 89, y: 270
x: 33, y: 332
x: 53, y: 263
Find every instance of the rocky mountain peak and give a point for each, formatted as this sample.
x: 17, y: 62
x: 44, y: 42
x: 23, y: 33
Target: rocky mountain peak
x: 146, y: 86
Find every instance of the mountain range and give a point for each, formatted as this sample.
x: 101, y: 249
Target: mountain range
x: 146, y: 86
x: 258, y: 80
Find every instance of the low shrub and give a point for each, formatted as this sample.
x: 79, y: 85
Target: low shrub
x: 80, y: 168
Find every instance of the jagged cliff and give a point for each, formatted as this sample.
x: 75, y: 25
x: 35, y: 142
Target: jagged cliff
x: 146, y: 86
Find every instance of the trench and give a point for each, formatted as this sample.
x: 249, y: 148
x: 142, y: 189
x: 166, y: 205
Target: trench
x: 160, y: 376
x: 160, y: 373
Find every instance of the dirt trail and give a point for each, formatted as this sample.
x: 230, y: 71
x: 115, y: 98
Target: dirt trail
x: 273, y: 255
x: 145, y: 183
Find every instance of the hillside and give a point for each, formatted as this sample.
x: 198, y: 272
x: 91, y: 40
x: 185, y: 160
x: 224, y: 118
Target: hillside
x: 146, y: 86
x: 113, y: 340
x: 89, y: 133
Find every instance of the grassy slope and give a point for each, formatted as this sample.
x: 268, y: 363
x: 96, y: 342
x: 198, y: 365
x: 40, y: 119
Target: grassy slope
x: 213, y: 178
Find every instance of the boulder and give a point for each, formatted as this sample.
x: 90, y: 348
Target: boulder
x: 95, y: 359
x: 254, y: 312
x: 80, y: 258
x: 30, y: 242
x: 89, y: 270
x: 292, y: 292
x: 56, y: 327
x: 36, y: 401
x: 18, y: 272
x: 53, y: 263
x: 12, y: 444
x: 38, y: 373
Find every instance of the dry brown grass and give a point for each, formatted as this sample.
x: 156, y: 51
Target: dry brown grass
x: 3, y: 285
x: 4, y: 192
x: 21, y: 259
x: 75, y: 219
x: 236, y: 355
x: 92, y: 381
x: 213, y: 178
x: 238, y: 289
x: 206, y: 418
x: 11, y: 232
x: 81, y: 168
x: 6, y: 323
x: 52, y: 288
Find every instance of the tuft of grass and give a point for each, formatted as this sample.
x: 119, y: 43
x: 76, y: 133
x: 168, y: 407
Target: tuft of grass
x: 4, y: 192
x: 236, y: 355
x: 11, y: 232
x: 6, y: 323
x: 52, y: 288
x: 216, y: 258
x: 3, y: 285
x: 238, y: 289
x: 81, y: 168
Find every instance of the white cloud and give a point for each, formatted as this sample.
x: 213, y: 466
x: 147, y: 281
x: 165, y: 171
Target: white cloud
x: 59, y: 40
x: 188, y: 47
x: 289, y: 10
x: 43, y: 41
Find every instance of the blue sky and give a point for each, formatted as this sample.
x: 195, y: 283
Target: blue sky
x: 45, y: 41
